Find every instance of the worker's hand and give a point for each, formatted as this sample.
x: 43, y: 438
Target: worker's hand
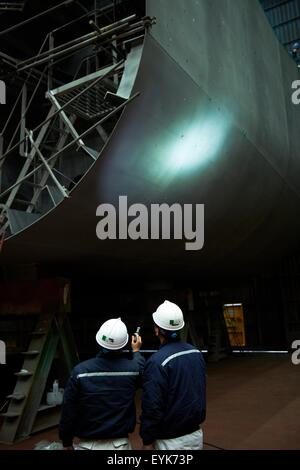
x: 136, y: 342
x: 148, y: 447
x: 68, y: 448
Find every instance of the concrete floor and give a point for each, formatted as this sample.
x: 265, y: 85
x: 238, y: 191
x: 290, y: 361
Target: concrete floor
x: 252, y: 403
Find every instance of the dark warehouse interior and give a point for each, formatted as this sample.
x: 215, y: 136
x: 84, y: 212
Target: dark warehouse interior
x: 177, y: 123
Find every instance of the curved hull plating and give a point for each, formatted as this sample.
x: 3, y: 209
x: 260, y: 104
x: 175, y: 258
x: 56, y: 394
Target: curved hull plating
x: 214, y: 124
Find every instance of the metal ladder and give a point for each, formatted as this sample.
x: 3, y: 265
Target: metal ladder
x: 26, y: 414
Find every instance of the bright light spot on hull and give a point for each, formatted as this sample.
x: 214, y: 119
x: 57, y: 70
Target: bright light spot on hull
x: 198, y: 145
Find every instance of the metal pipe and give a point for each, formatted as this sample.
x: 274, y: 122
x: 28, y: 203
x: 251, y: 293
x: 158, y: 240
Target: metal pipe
x: 12, y: 6
x: 25, y: 83
x: 23, y: 120
x: 101, y: 31
x: 101, y: 12
x: 58, y: 48
x: 114, y: 48
x: 55, y: 62
x: 61, y: 188
x: 8, y: 57
x: 64, y: 176
x: 122, y: 22
x: 64, y: 117
x: 65, y: 105
x: 43, y: 13
x: 52, y: 56
x: 135, y: 27
x: 50, y: 194
x: 50, y: 68
x: 72, y: 49
x: 12, y: 111
x: 70, y: 144
x: 129, y: 33
x: 24, y: 115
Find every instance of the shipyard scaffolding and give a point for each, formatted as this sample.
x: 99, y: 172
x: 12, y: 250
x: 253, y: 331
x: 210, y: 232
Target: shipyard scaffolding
x: 50, y: 159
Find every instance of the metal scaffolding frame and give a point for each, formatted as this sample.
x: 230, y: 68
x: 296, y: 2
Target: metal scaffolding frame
x: 93, y: 98
x: 47, y: 164
x: 12, y: 6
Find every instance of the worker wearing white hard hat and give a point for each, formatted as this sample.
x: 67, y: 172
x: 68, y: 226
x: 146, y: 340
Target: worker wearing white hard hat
x: 99, y: 400
x: 174, y: 388
x: 169, y: 317
x: 112, y: 335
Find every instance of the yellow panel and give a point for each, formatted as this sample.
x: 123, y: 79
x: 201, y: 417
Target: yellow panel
x: 234, y: 319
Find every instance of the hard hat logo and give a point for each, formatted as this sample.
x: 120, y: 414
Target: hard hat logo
x: 174, y: 322
x: 111, y: 340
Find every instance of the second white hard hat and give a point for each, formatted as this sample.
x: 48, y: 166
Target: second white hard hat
x: 168, y: 316
x: 112, y: 334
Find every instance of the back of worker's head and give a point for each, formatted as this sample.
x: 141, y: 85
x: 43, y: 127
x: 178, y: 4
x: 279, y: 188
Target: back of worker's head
x: 112, y: 335
x: 169, y: 319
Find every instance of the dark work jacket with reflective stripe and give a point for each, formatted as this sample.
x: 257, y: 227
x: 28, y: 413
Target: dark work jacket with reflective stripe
x: 174, y: 398
x: 99, y: 398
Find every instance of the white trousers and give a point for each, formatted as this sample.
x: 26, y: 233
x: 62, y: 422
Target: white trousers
x: 192, y: 441
x: 106, y: 444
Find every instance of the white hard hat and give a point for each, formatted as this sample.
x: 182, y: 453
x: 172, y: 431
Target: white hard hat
x: 168, y: 316
x: 112, y: 334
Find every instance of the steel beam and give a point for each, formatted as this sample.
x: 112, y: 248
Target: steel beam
x: 61, y: 188
x: 23, y: 173
x: 13, y: 187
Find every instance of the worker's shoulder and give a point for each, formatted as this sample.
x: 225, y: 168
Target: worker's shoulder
x: 176, y: 347
x: 131, y: 364
x: 169, y: 350
x: 85, y: 366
